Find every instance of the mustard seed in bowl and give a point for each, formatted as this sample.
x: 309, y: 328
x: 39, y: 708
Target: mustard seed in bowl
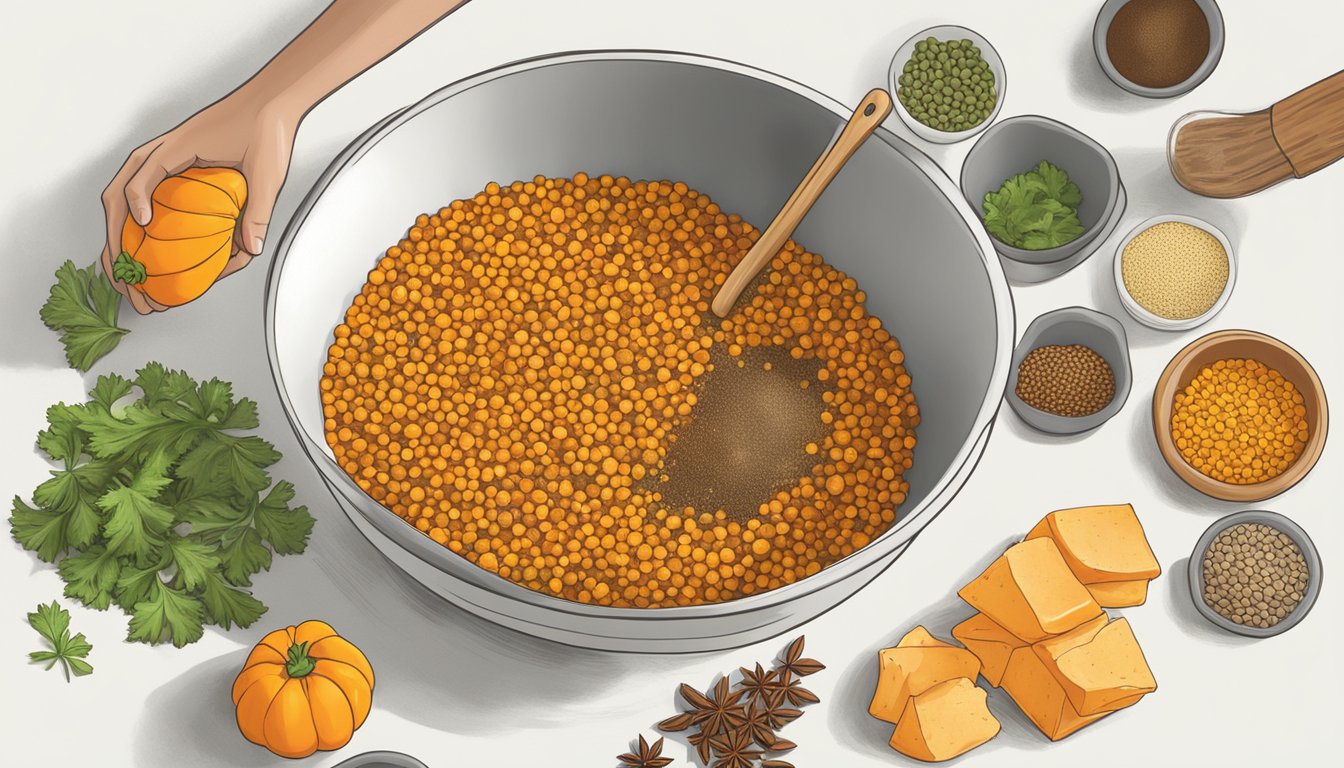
x: 1175, y: 270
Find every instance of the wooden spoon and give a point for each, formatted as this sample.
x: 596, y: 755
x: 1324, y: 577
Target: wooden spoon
x: 870, y: 113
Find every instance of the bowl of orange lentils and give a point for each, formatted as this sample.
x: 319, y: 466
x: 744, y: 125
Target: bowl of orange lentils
x: 1240, y: 415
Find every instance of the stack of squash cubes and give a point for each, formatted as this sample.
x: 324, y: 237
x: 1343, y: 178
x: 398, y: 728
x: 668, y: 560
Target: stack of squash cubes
x: 1041, y: 634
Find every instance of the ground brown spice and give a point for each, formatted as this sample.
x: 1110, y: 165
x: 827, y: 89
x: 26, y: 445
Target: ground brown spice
x: 1158, y: 43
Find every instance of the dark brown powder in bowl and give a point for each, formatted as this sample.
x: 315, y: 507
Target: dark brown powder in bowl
x: 1158, y: 43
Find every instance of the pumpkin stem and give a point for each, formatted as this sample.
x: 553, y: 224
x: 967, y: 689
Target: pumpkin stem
x: 300, y: 664
x: 128, y: 270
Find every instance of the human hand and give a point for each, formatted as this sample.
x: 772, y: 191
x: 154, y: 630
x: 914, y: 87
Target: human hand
x: 240, y: 132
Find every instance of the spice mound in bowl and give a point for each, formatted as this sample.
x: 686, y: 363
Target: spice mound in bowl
x: 1174, y: 272
x: 1255, y: 573
x: 1239, y: 415
x: 1158, y: 48
x: 949, y: 83
x: 1066, y: 380
x: 522, y: 375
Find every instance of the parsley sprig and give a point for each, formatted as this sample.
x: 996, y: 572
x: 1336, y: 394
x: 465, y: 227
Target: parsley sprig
x: 1035, y: 210
x: 83, y: 309
x: 162, y: 506
x: 52, y: 622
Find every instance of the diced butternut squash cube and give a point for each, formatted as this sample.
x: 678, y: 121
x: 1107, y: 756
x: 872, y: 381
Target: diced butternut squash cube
x: 1100, y: 544
x: 917, y: 663
x: 1099, y: 666
x: 1031, y: 592
x: 1041, y: 697
x: 1119, y: 594
x: 947, y: 720
x: 990, y: 643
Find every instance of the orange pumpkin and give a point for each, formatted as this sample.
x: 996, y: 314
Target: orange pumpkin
x: 189, y: 239
x: 303, y: 689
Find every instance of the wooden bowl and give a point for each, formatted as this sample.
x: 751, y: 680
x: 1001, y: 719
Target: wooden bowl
x: 1222, y: 345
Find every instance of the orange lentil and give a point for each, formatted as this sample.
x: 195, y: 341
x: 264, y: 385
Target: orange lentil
x: 1239, y: 421
x: 517, y: 365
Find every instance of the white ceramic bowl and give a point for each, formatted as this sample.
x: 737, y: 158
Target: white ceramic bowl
x: 891, y: 219
x: 1151, y: 320
x: 947, y: 32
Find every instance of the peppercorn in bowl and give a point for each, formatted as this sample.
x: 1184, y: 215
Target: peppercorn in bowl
x: 904, y: 380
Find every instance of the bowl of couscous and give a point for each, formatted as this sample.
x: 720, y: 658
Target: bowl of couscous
x: 1240, y: 416
x: 1174, y: 272
x: 490, y: 396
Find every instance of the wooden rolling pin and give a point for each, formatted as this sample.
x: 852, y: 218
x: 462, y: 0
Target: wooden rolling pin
x: 1228, y: 155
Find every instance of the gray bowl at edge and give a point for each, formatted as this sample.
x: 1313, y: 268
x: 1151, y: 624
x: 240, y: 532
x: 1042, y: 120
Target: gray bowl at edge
x: 1217, y: 37
x: 1099, y: 332
x: 1195, y: 571
x: 1020, y: 143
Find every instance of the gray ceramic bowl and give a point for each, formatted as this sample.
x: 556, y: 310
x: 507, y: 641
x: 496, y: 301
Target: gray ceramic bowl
x: 1315, y: 575
x: 1018, y: 144
x: 1217, y: 37
x: 737, y: 133
x: 1074, y: 325
x: 380, y: 760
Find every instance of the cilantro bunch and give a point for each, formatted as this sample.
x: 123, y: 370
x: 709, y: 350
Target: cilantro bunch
x: 162, y: 506
x: 1035, y: 210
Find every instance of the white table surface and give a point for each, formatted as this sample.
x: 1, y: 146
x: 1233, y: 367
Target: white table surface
x: 83, y: 85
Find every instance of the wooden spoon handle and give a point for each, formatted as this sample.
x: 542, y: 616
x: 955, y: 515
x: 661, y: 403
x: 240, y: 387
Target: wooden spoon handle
x: 1309, y: 125
x: 870, y: 113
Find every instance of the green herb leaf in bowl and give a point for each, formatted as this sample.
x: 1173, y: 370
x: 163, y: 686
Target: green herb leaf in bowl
x: 1035, y: 210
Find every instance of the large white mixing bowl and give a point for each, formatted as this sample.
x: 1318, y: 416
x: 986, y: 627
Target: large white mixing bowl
x: 891, y: 219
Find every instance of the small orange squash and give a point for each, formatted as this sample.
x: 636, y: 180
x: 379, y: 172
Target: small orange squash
x: 189, y: 239
x: 303, y: 689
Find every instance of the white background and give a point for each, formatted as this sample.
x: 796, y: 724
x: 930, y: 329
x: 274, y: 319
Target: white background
x: 86, y: 82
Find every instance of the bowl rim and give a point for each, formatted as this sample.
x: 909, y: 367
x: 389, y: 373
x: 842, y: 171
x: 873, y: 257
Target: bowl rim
x: 420, y: 546
x: 1281, y: 523
x: 1165, y: 391
x: 1217, y: 40
x: 1070, y: 425
x: 1136, y: 310
x: 1066, y: 251
x: 987, y: 51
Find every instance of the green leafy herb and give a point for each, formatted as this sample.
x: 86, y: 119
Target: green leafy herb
x: 1035, y: 210
x: 53, y: 623
x: 162, y: 505
x: 83, y: 308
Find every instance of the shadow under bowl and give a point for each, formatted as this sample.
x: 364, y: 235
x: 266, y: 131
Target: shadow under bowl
x: 1195, y: 571
x: 1097, y: 331
x: 1223, y: 345
x: 1019, y: 144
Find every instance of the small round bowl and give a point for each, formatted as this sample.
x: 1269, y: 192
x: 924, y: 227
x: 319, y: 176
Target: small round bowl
x: 1217, y: 37
x: 1222, y: 345
x: 947, y: 32
x: 1151, y: 320
x: 1195, y: 571
x: 1017, y: 145
x: 1101, y: 333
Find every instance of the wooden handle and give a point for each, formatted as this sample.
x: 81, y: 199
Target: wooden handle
x: 870, y: 113
x: 1309, y: 125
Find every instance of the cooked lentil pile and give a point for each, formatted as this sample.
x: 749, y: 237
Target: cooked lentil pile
x: 511, y: 376
x: 1070, y: 380
x: 1254, y: 574
x: 1175, y: 270
x: 1239, y: 421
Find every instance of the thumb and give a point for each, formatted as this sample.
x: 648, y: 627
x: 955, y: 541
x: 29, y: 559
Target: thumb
x: 140, y: 188
x: 264, y: 180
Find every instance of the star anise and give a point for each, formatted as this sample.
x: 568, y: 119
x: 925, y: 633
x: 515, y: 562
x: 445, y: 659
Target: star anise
x: 759, y: 684
x: 735, y: 749
x: 795, y: 665
x: 792, y: 690
x: 776, y: 764
x: 648, y: 756
x: 717, y: 712
x: 758, y: 724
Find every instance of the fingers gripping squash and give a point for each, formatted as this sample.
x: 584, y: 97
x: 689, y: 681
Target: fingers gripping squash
x: 189, y: 239
x: 303, y: 689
